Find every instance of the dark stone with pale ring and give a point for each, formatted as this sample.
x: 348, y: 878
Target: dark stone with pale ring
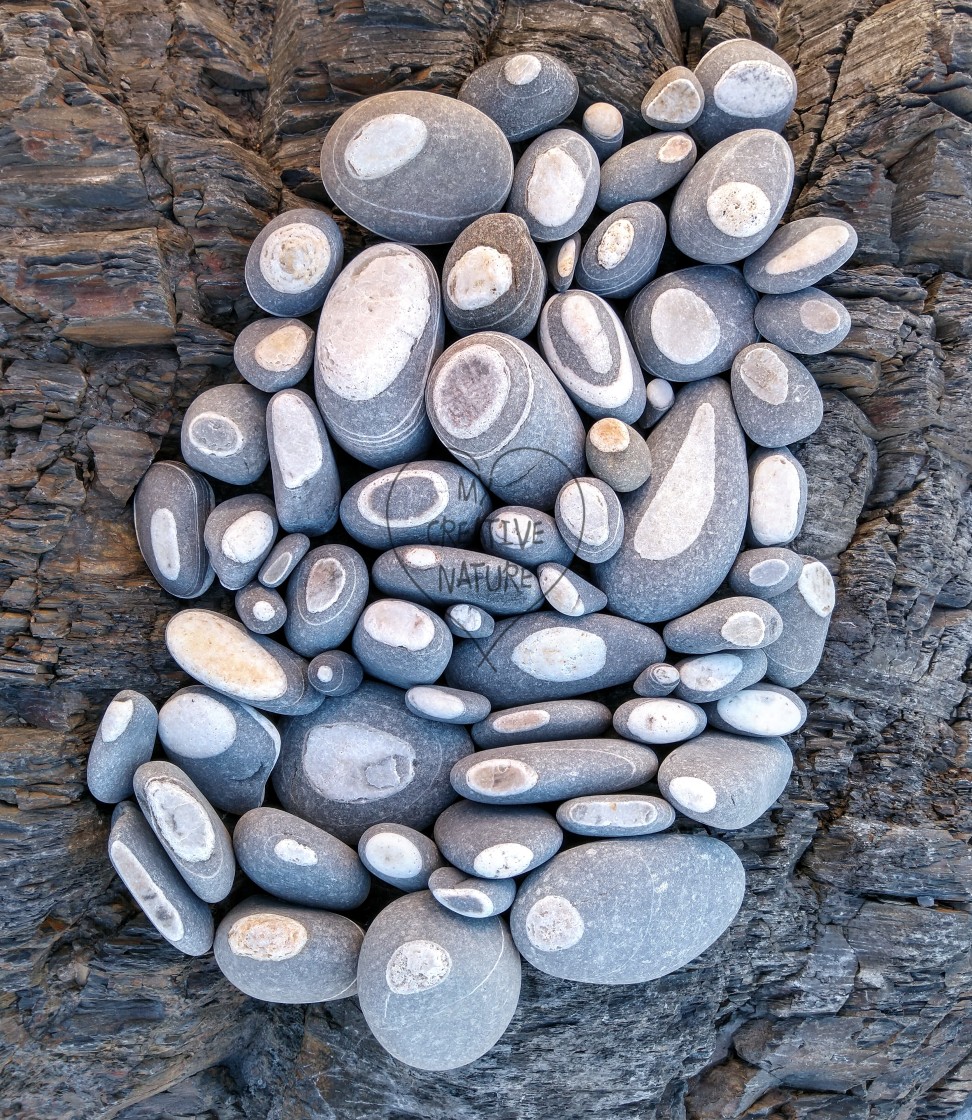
x: 622, y: 253
x: 675, y: 100
x: 306, y: 487
x: 224, y: 434
x: 807, y: 322
x: 172, y: 505
x: 399, y: 855
x: 497, y: 842
x: 260, y: 609
x: 469, y: 895
x: 124, y: 740
x: 335, y: 673
x: 401, y: 643
x: 239, y: 535
x: 325, y: 596
x: 286, y: 555
x: 293, y: 262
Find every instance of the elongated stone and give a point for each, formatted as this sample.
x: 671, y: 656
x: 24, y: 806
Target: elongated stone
x: 765, y: 572
x: 777, y: 497
x: 775, y: 396
x: 618, y: 455
x: 568, y: 593
x: 616, y: 814
x: 602, y: 126
x: 711, y: 676
x: 800, y: 254
x: 674, y: 101
x: 262, y: 610
x: 746, y: 86
x: 645, y: 169
x: 306, y: 488
x: 561, y: 258
x: 525, y: 94
x: 739, y: 622
x: 764, y: 710
x: 659, y: 720
x: 274, y: 354
x: 537, y: 723
x: 807, y: 322
x: 660, y: 679
x: 399, y: 855
x: 555, y: 185
x: 239, y: 534
x: 224, y: 434
x: 527, y: 536
x: 335, y: 673
x: 805, y: 609
x: 325, y: 596
x: 589, y: 517
x: 467, y: 621
x: 172, y: 503
x: 622, y: 253
x: 124, y: 740
x: 469, y: 895
x: 293, y: 262
x: 401, y: 643
x: 286, y: 554
x: 494, y: 842
x: 447, y: 705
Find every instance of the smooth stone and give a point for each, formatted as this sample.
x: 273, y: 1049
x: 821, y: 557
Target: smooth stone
x: 807, y: 322
x: 806, y: 610
x: 224, y: 434
x: 660, y: 679
x: 325, y: 596
x: 467, y: 621
x: 538, y: 723
x: 777, y: 497
x: 728, y: 205
x: 124, y: 740
x: 674, y: 101
x: 800, y: 254
x: 220, y: 653
x: 525, y: 94
x: 775, y: 396
x: 746, y: 86
x: 588, y: 349
x: 447, y: 705
x: 172, y: 503
x: 683, y: 528
x: 659, y: 720
x: 562, y: 258
x: 627, y: 911
x: 399, y: 855
x: 380, y: 330
x: 228, y: 749
x: 437, y: 990
x: 296, y: 861
x: 711, y: 676
x: 469, y: 895
x: 499, y: 409
x: 530, y: 773
x: 568, y: 593
x: 602, y: 126
x: 281, y: 953
x: 764, y: 710
x: 423, y: 502
x: 618, y: 455
x: 589, y: 516
x: 239, y: 535
x: 306, y: 487
x: 739, y: 622
x: 286, y: 554
x: 765, y: 572
x: 335, y: 673
x: 527, y: 536
x: 494, y: 842
x: 690, y: 324
x: 661, y: 397
x: 274, y: 354
x: 140, y: 861
x: 619, y: 814
x: 547, y: 656
x: 555, y: 185
x: 622, y: 253
x: 725, y: 781
x: 293, y: 261
x: 365, y: 758
x: 401, y: 643
x: 416, y: 167
x: 645, y: 169
x: 262, y: 610
x: 187, y: 827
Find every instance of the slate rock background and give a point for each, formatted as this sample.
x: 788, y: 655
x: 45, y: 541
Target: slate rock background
x: 143, y: 144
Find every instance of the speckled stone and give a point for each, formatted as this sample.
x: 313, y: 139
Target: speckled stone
x: 537, y: 723
x: 602, y: 126
x: 364, y: 759
x: 618, y: 455
x: 775, y: 396
x: 124, y: 740
x: 224, y: 434
x: 763, y: 710
x: 659, y: 720
x: 325, y: 596
x: 562, y: 258
x: 526, y: 536
x: 496, y: 842
x: 380, y: 331
x: 172, y: 503
x: 622, y: 253
x: 555, y: 185
x: 239, y: 534
x: 777, y: 497
x: 661, y: 397
x: 805, y: 609
x: 469, y: 895
x: 739, y: 622
x: 746, y: 86
x: 568, y: 593
x: 399, y: 855
x: 765, y: 572
x: 467, y: 621
x: 287, y: 553
x: 296, y: 861
x: 800, y: 254
x: 807, y: 322
x: 670, y: 897
x: 260, y: 609
x: 306, y: 488
x: 293, y: 262
x: 711, y: 676
x: 645, y: 169
x: 401, y: 643
x: 416, y: 167
x: 335, y: 673
x: 660, y: 679
x: 274, y: 354
x: 447, y: 705
x: 615, y: 815
x: 589, y: 517
x: 437, y: 990
x: 280, y: 953
x: 525, y: 94
x: 182, y: 918
x: 674, y: 101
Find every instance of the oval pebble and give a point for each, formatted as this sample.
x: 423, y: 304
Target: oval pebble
x: 739, y: 622
x: 497, y: 842
x: 711, y: 676
x: 172, y: 504
x: 674, y: 101
x: 124, y: 740
x: 239, y: 535
x: 806, y: 610
x: 775, y: 396
x: 469, y: 895
x: 325, y: 596
x: 527, y: 536
x: 660, y: 679
x: 525, y: 94
x: 555, y: 185
x: 763, y: 709
x: 401, y: 643
x: 467, y: 621
x: 799, y: 254
x: 399, y: 855
x: 765, y: 572
x: 746, y: 86
x: 293, y: 261
x: 614, y: 815
x: 602, y: 126
x: 561, y: 258
x: 618, y: 455
x: 589, y: 517
x: 447, y: 705
x: 777, y: 497
x: 532, y: 723
x: 622, y: 253
x: 335, y: 673
x: 645, y: 169
x: 262, y: 610
x: 306, y: 488
x: 568, y: 593
x: 286, y: 554
x: 807, y: 322
x: 274, y: 354
x: 659, y: 720
x: 224, y: 434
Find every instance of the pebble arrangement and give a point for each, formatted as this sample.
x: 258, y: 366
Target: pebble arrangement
x: 466, y: 541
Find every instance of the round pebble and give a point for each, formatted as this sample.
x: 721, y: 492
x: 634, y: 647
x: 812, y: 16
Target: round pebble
x: 711, y: 676
x: 468, y: 621
x: 399, y: 855
x: 739, y: 622
x: 568, y: 593
x: 525, y: 94
x: 401, y: 643
x: 765, y: 572
x: 775, y: 396
x: 172, y: 505
x: 645, y: 169
x: 561, y: 258
x: 674, y: 101
x: 527, y: 536
x: 622, y: 253
x: 764, y: 710
x: 602, y: 126
x: 286, y: 554
x: 660, y: 679
x: 534, y: 723
x: 494, y: 842
x: 239, y: 534
x: 777, y: 497
x: 224, y: 434
x: 659, y: 721
x: 124, y: 740
x: 447, y: 705
x: 325, y: 596
x: 293, y: 262
x: 274, y: 354
x: 260, y: 609
x: 306, y: 488
x: 335, y: 673
x: 800, y: 254
x: 589, y: 517
x: 807, y: 322
x: 806, y: 610
x: 617, y: 455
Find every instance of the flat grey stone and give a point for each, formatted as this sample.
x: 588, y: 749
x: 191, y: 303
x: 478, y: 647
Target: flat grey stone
x: 296, y: 861
x: 562, y: 258
x: 618, y: 455
x: 765, y: 572
x: 469, y: 895
x: 775, y: 396
x: 399, y: 855
x: 274, y: 354
x: 602, y: 126
x: 306, y: 488
x: 281, y: 953
x: 260, y: 609
x: 437, y: 990
x: 725, y: 781
x: 620, y: 814
x: 286, y: 554
x: 800, y: 254
x: 764, y: 710
x: 401, y: 643
x: 364, y: 759
x: 498, y: 408
x: 728, y: 205
x: 467, y: 621
x: 622, y: 253
x: 660, y: 679
x: 711, y: 676
x: 497, y: 842
x: 589, y: 517
x: 525, y: 94
x: 674, y: 101
x: 645, y: 169
x: 227, y: 748
x: 555, y: 185
x: 661, y: 397
x: 325, y: 596
x: 807, y: 322
x: 124, y: 740
x: 777, y: 497
x: 739, y: 622
x: 224, y: 434
x: 239, y: 534
x: 447, y: 705
x: 183, y: 919
x: 527, y: 536
x: 335, y: 673
x: 568, y: 593
x: 172, y: 503
x: 187, y: 827
x: 293, y: 262
x: 806, y: 610
x: 659, y: 720
x: 541, y: 722
x: 669, y: 898
x: 746, y: 86
x: 416, y: 167
x: 380, y: 331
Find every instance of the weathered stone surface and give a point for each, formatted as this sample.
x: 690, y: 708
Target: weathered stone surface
x: 293, y: 261
x: 497, y: 842
x: 532, y: 723
x: 325, y: 596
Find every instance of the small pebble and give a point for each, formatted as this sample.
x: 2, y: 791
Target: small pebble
x: 274, y: 354
x: 260, y: 609
x: 764, y: 709
x: 589, y: 517
x: 447, y: 705
x: 335, y: 673
x: 467, y: 621
x: 617, y: 814
x: 618, y: 455
x: 469, y: 895
x: 602, y: 126
x: 800, y: 254
x: 622, y: 253
x: 224, y: 434
x: 525, y: 94
x: 239, y: 534
x: 286, y: 554
x: 401, y: 643
x: 711, y: 676
x: 568, y: 593
x: 399, y: 855
x: 807, y: 322
x: 765, y: 572
x: 661, y: 397
x: 660, y: 679
x: 494, y: 842
x: 775, y: 396
x: 739, y: 622
x: 124, y: 740
x: 777, y: 497
x: 306, y: 488
x: 537, y: 723
x: 674, y: 101
x: 293, y: 262
x: 561, y: 258
x: 805, y: 609
x: 527, y: 536
x: 172, y: 504
x: 325, y: 596
x: 555, y: 185
x: 659, y: 720
x: 645, y: 169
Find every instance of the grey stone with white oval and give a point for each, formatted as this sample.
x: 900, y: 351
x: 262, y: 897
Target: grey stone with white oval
x: 660, y: 679
x: 239, y: 534
x: 262, y: 610
x: 777, y: 497
x: 274, y: 354
x: 306, y: 488
x: 765, y: 572
x: 224, y: 434
x: 525, y: 94
x: 172, y: 503
x: 764, y: 710
x: 293, y: 262
x: 527, y: 536
x: 645, y: 169
x: 124, y: 740
x: 775, y: 396
x: 537, y: 723
x: 710, y: 676
x: 325, y: 596
x: 602, y: 126
x: 467, y: 621
x: 555, y: 185
x: 659, y: 720
x: 800, y: 254
x: 622, y: 253
x: 561, y: 258
x: 618, y: 455
x: 674, y: 101
x: 590, y: 519
x: 469, y: 895
x: 497, y: 842
x: 447, y: 705
x: 399, y: 855
x: 806, y: 610
x: 286, y: 554
x: 401, y: 643
x: 739, y: 622
x: 620, y: 814
x: 335, y: 673
x: 807, y: 322
x: 568, y: 593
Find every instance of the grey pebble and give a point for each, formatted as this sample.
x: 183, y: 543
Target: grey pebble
x: 335, y: 673
x: 561, y: 258
x: 401, y: 643
x: 527, y: 536
x: 568, y: 593
x: 306, y: 488
x: 447, y: 705
x: 467, y: 621
x: 172, y: 503
x: 602, y: 126
x: 660, y: 679
x: 399, y: 855
x: 763, y: 710
x: 807, y: 322
x: 659, y: 720
x: 739, y: 622
x: 618, y: 455
x: 555, y: 185
x: 806, y: 610
x: 777, y: 497
x: 711, y: 676
x: 286, y: 554
x: 239, y: 534
x: 274, y: 354
x: 615, y: 815
x: 262, y: 610
x: 525, y: 94
x: 661, y: 397
x: 325, y: 595
x: 765, y: 572
x: 124, y: 740
x: 293, y: 262
x: 775, y: 396
x: 497, y: 842
x: 536, y: 723
x: 800, y: 254
x: 469, y: 895
x: 590, y: 519
x: 622, y: 253
x: 645, y: 169
x: 674, y: 101
x: 224, y: 434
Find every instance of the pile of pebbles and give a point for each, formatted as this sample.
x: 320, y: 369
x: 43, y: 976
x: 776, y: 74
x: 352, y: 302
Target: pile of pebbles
x: 459, y: 551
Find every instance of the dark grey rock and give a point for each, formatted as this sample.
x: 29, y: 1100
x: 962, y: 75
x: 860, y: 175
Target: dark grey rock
x: 224, y: 434
x: 497, y: 842
x: 805, y: 609
x: 746, y: 86
x: 622, y: 253
x: 645, y: 169
x: 618, y: 455
x: 467, y: 621
x: 775, y: 396
x: 306, y: 488
x: 711, y: 676
x: 660, y: 679
x: 260, y: 609
x: 660, y: 398
x: 763, y: 710
x: 800, y: 254
x: 469, y: 895
x: 621, y: 814
x: 401, y: 643
x: 602, y: 126
x: 447, y: 705
x: 537, y: 723
x: 525, y: 94
x: 287, y: 553
x: 293, y: 262
x: 399, y: 855
x: 239, y: 534
x: 777, y: 497
x: 124, y: 740
x: 739, y: 622
x: 659, y: 720
x: 325, y: 596
x: 172, y: 503
x: 562, y: 258
x: 568, y: 593
x: 555, y: 185
x: 335, y: 673
x: 807, y: 322
x: 274, y: 354
x: 589, y: 517
x: 527, y: 536
x: 765, y: 572
x: 674, y: 101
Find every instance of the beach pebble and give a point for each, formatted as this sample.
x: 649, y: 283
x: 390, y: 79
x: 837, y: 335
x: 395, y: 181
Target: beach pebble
x: 589, y: 517
x: 274, y: 354
x: 555, y: 185
x: 661, y: 397
x: 498, y: 408
x: 622, y: 253
x: 224, y: 434
x: 260, y: 609
x: 739, y: 622
x: 228, y: 749
x: 447, y: 705
x: 725, y: 781
x: 627, y: 911
x: 775, y: 396
x: 365, y: 758
x: 494, y: 842
x: 588, y: 349
x: 239, y: 534
x: 187, y: 827
x: 527, y: 536
x: 764, y: 709
x: 602, y: 126
x: 537, y: 723
x: 530, y: 773
x: 645, y: 169
x: 296, y: 861
x: 436, y: 989
x: 777, y: 497
x: 380, y: 331
x: 674, y: 101
x: 172, y: 504
x: 399, y: 855
x: 618, y: 455
x: 281, y: 953
x: 525, y: 94
x: 805, y: 609
x: 807, y: 322
x: 469, y: 895
x: 325, y: 596
x: 711, y: 676
x: 568, y: 593
x: 293, y: 262
x: 660, y: 679
x: 286, y: 554
x: 124, y: 740
x: 616, y: 814
x: 467, y: 621
x: 183, y: 919
x: 416, y: 167
x: 659, y: 720
x: 765, y: 572
x: 562, y: 258
x: 746, y: 86
x: 401, y: 643
x: 306, y: 488
x: 335, y: 673
x: 800, y: 254
x: 728, y: 205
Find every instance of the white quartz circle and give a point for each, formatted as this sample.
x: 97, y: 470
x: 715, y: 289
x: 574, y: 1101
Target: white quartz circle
x: 266, y: 937
x: 180, y: 820
x: 196, y: 725
x: 677, y: 102
x: 812, y: 249
x: 603, y: 121
x: 399, y: 624
x: 416, y: 967
x: 694, y: 793
x: 555, y: 188
x: 498, y: 777
x: 560, y: 653
x: 739, y: 209
x: 164, y: 535
x: 281, y: 349
x: 297, y: 441
x: 553, y: 924
x: 393, y: 855
x: 753, y: 88
x: 683, y: 326
x: 295, y: 258
x: 357, y: 762
x: 616, y: 244
x: 292, y: 851
x: 502, y: 861
x: 470, y: 391
x: 114, y: 723
x: 249, y: 537
x: 522, y: 69
x: 479, y: 278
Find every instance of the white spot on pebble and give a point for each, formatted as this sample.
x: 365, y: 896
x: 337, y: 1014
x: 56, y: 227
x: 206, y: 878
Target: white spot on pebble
x: 281, y: 349
x: 396, y: 623
x: 503, y: 861
x: 115, y: 721
x: 819, y: 316
x: 325, y: 583
x: 555, y: 188
x: 758, y: 711
x: 816, y: 585
x: 263, y: 610
x: 296, y: 441
x: 466, y: 617
x: 421, y: 558
x: 436, y: 702
x: 589, y: 332
x: 711, y: 672
x: 675, y: 103
x: 610, y: 436
x: 147, y: 893
x: 292, y: 851
x: 617, y: 814
x: 765, y: 375
x: 275, y: 572
x: 567, y: 257
x: 479, y: 278
x: 522, y: 69
x: 603, y: 121
x: 497, y: 777
x: 738, y: 209
x: 813, y: 248
x: 768, y: 572
x: 325, y: 674
x: 674, y: 149
x: 217, y: 653
x: 616, y: 244
x: 683, y: 326
x: 295, y: 257
x: 774, y: 500
x: 385, y: 144
x: 196, y: 725
x: 512, y: 723
x: 584, y: 512
x: 416, y: 967
x: 693, y: 793
x: 181, y: 820
x: 554, y: 924
x: 465, y: 900
x: 559, y: 592
x: 394, y: 855
x: 266, y: 937
x: 470, y: 391
x: 744, y: 629
x: 164, y: 535
x: 662, y: 721
x: 248, y: 537
x: 215, y: 435
x: 753, y: 88
x: 560, y: 653
x: 357, y: 762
